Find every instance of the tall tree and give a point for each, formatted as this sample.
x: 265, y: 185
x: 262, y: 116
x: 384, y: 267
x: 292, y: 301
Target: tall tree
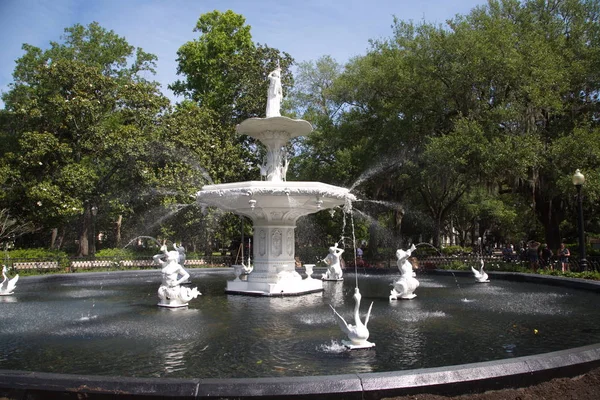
x: 537, y: 87
x: 225, y: 71
x: 486, y: 100
x: 81, y: 112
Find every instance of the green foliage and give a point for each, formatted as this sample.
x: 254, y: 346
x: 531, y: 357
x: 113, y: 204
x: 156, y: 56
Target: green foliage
x: 38, y: 254
x: 504, y: 99
x: 457, y: 266
x: 120, y: 253
x: 592, y: 275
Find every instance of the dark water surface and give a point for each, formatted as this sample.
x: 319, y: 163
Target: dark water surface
x: 109, y: 324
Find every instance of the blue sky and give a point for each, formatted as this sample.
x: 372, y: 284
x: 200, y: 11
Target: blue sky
x: 307, y: 29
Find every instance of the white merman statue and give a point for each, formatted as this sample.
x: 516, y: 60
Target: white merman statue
x: 8, y: 285
x: 275, y: 93
x: 171, y: 293
x: 407, y: 284
x: 334, y: 264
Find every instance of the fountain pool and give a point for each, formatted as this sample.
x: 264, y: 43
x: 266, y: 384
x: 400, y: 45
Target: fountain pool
x: 108, y: 324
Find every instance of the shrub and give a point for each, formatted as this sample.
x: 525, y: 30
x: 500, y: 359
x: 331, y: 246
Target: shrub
x: 452, y: 250
x: 122, y: 254
x: 40, y: 254
x: 456, y: 265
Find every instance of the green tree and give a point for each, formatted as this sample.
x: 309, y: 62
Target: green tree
x: 536, y: 73
x: 195, y: 149
x: 489, y: 100
x: 82, y: 114
x: 225, y: 71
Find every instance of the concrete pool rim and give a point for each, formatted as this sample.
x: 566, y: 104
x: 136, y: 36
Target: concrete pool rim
x: 447, y: 380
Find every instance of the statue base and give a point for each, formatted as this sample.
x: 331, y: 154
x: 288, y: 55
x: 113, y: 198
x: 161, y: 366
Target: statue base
x: 6, y: 294
x: 394, y: 295
x: 172, y: 304
x: 353, y: 346
x: 281, y: 288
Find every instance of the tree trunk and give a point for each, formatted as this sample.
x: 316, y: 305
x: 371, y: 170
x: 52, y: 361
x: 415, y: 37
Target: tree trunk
x: 373, y: 240
x: 118, y: 231
x: 60, y: 239
x: 84, y: 249
x: 398, y: 216
x: 53, y: 239
x: 437, y: 231
x: 550, y: 213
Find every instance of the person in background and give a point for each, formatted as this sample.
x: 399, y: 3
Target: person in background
x: 507, y: 253
x: 533, y: 255
x: 563, y: 254
x: 546, y: 257
x: 359, y: 252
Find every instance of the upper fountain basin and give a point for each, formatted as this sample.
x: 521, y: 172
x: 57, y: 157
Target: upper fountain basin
x: 274, y: 131
x: 281, y: 200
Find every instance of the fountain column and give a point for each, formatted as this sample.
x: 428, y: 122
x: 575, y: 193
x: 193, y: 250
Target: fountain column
x: 274, y: 251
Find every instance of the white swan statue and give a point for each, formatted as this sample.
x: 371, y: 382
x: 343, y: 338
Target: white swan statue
x: 248, y: 268
x: 7, y: 286
x: 357, y: 333
x: 480, y: 276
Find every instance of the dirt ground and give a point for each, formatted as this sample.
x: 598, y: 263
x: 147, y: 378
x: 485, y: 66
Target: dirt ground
x: 583, y: 387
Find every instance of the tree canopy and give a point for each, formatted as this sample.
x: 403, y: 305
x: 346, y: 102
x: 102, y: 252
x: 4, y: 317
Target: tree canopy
x: 464, y: 129
x: 504, y: 98
x: 79, y: 116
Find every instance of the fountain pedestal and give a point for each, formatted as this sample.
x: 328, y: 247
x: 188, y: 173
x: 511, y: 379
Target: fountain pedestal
x: 274, y: 208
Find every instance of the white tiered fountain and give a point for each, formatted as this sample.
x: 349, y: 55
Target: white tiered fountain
x: 274, y: 204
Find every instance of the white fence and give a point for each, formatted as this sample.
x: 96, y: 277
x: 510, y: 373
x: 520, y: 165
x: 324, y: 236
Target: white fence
x: 108, y: 262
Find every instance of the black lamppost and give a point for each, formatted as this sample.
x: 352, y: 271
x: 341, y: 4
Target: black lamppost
x: 578, y: 181
x: 93, y: 247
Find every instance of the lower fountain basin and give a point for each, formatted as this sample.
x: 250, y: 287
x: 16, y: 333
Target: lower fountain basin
x: 108, y: 324
x: 257, y: 199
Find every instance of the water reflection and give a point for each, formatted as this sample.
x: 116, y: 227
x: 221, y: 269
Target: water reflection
x: 173, y: 355
x: 333, y: 293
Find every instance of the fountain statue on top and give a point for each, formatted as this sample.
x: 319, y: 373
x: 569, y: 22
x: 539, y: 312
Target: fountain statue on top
x: 274, y: 204
x: 480, y: 276
x: 334, y: 264
x: 407, y: 284
x: 275, y: 93
x: 7, y: 286
x: 170, y: 293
